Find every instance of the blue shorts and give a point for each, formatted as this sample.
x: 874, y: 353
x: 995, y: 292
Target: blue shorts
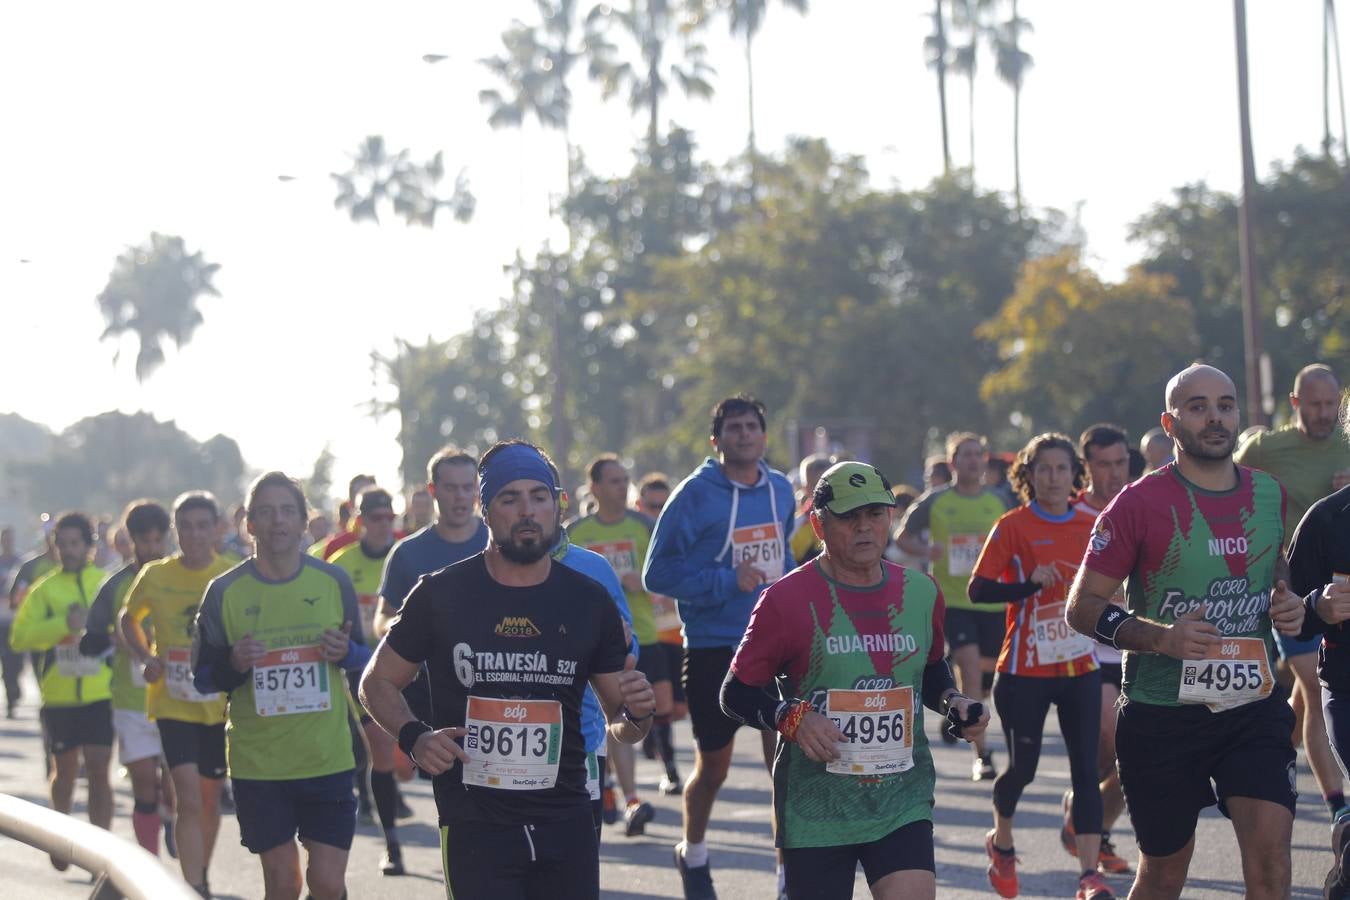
x: 1291, y: 647
x: 320, y: 809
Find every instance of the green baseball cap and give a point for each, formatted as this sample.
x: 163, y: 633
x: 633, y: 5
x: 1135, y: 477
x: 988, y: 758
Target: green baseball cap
x: 849, y: 485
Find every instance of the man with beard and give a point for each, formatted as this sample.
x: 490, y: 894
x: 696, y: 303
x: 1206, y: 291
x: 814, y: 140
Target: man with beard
x: 510, y: 641
x: 1199, y: 540
x: 1311, y: 459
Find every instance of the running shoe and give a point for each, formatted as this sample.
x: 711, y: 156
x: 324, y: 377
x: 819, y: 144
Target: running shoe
x: 696, y: 880
x: 609, y: 812
x: 1093, y: 887
x: 636, y: 817
x: 1067, y: 837
x: 391, y: 860
x: 982, y: 768
x: 1108, y: 860
x: 170, y: 843
x: 364, y: 816
x: 226, y: 798
x: 670, y: 784
x: 404, y: 811
x: 1335, y: 887
x: 1002, y: 868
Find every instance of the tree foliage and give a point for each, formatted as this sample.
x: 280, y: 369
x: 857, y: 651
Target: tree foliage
x: 377, y: 179
x: 101, y: 463
x: 152, y: 294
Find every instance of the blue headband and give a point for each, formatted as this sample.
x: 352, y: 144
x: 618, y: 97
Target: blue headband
x: 509, y: 464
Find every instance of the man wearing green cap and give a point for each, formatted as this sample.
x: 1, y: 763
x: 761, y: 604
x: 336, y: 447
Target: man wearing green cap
x: 858, y: 645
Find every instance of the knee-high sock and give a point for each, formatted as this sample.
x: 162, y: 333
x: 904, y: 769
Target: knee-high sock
x: 386, y: 803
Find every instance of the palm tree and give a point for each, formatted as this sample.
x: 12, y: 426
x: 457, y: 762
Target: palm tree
x: 937, y: 48
x: 1331, y: 45
x: 1012, y: 63
x: 651, y: 25
x: 746, y: 17
x: 377, y: 178
x: 534, y: 70
x: 970, y: 16
x: 152, y: 293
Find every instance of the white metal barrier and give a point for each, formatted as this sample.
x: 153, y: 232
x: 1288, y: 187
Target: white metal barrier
x: 132, y: 871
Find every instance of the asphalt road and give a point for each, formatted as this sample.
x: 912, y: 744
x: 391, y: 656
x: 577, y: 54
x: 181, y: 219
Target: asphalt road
x: 741, y: 847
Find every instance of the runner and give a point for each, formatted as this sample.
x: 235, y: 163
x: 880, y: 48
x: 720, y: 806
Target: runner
x: 138, y: 745
x: 1311, y: 458
x: 420, y: 511
x: 1199, y: 540
x: 1156, y: 447
x: 860, y: 639
x: 721, y: 539
x: 364, y: 564
x: 275, y: 633
x: 803, y: 543
x: 1026, y: 565
x: 11, y: 663
x: 350, y: 532
x: 621, y: 536
x: 166, y: 594
x: 1319, y: 568
x: 510, y: 640
x: 1106, y: 454
x: 76, y: 707
x: 948, y: 526
x: 653, y: 492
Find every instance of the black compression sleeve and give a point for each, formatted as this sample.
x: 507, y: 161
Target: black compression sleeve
x: 937, y: 680
x: 986, y: 590
x: 749, y: 705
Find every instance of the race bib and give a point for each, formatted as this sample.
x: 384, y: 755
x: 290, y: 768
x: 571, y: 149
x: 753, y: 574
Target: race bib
x: 178, y: 677
x: 71, y: 663
x: 963, y: 550
x: 876, y: 727
x: 366, y: 605
x: 666, y: 613
x: 762, y: 545
x: 622, y: 555
x: 1056, y: 642
x: 1236, y: 672
x: 592, y: 776
x: 290, y: 681
x: 513, y: 745
x: 137, y: 674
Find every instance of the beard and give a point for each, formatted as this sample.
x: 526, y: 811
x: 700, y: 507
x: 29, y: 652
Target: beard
x: 530, y: 550
x: 1192, y: 443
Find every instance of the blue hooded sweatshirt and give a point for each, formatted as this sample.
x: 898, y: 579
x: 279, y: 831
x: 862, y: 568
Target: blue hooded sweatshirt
x: 708, y: 525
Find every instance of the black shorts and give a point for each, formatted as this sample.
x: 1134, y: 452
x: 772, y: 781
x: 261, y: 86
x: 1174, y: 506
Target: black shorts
x: 674, y: 654
x: 319, y: 809
x: 966, y: 626
x: 68, y: 727
x: 1172, y: 760
x: 823, y: 873
x: 193, y: 742
x: 653, y: 662
x: 1111, y: 673
x: 544, y: 861
x: 705, y: 668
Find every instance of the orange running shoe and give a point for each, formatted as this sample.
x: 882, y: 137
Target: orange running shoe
x: 1093, y: 887
x: 1002, y: 868
x: 1108, y: 860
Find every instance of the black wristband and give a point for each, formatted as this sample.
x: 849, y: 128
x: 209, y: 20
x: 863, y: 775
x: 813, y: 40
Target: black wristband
x: 409, y: 733
x: 1109, y: 623
x: 634, y: 720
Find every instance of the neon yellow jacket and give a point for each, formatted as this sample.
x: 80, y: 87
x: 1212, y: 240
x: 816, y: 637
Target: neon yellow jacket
x: 65, y: 677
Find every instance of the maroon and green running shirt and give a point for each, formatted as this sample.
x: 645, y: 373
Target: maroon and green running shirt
x: 858, y: 655
x: 1181, y: 546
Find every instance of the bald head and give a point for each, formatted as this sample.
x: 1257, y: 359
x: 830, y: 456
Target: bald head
x: 1317, y: 401
x: 1190, y: 380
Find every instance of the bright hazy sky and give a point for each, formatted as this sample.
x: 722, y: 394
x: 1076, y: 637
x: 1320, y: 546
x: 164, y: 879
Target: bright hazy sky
x: 123, y: 118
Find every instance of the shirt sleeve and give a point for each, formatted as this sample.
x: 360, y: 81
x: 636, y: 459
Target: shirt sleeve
x: 358, y: 654
x: 98, y: 628
x: 611, y: 652
x: 394, y: 584
x: 138, y: 596
x: 1309, y: 568
x: 917, y: 516
x: 1117, y: 535
x: 996, y: 556
x: 765, y: 649
x: 37, y: 626
x: 410, y: 635
x: 211, y: 667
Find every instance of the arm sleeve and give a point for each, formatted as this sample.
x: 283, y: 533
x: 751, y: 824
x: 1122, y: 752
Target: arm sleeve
x: 749, y: 705
x: 669, y: 570
x: 211, y: 667
x: 37, y: 626
x: 410, y: 635
x: 98, y: 628
x: 984, y: 590
x: 358, y: 653
x: 937, y: 680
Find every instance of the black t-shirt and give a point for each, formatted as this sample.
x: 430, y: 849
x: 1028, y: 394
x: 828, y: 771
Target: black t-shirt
x: 1319, y: 551
x: 483, y: 642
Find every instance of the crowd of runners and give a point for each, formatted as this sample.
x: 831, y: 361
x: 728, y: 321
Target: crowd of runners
x: 1180, y: 602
